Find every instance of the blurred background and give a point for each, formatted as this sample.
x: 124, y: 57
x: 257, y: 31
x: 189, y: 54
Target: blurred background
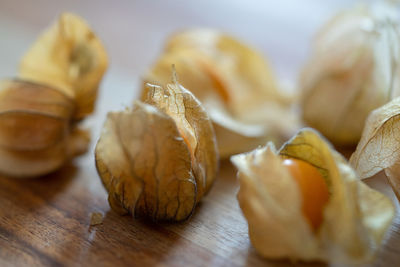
x: 134, y: 32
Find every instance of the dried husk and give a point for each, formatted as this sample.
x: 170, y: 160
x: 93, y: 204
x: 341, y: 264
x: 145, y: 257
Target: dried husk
x: 379, y: 147
x: 234, y: 83
x: 242, y: 72
x: 69, y: 57
x: 56, y: 88
x: 158, y: 159
x: 37, y: 133
x: 355, y: 217
x: 353, y: 69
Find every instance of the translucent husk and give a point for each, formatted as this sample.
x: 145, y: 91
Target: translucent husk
x: 355, y: 217
x: 160, y: 158
x: 379, y: 147
x: 353, y: 69
x: 234, y: 83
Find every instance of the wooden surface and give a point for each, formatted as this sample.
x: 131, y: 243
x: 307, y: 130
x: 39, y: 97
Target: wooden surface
x: 46, y: 221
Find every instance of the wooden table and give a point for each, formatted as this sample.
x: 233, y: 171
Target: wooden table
x: 46, y: 221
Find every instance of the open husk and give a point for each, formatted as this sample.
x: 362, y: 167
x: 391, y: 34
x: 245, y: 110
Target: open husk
x: 158, y: 159
x: 353, y: 69
x: 68, y: 57
x: 56, y: 87
x: 235, y: 85
x: 354, y: 219
x: 379, y: 147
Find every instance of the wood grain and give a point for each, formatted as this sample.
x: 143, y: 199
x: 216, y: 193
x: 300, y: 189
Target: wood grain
x: 46, y: 221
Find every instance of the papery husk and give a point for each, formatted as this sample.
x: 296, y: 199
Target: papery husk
x: 355, y: 217
x: 37, y: 134
x: 194, y: 126
x: 379, y: 147
x: 353, y: 70
x: 159, y: 159
x: 68, y: 57
x: 235, y: 136
x: 234, y: 83
x: 243, y: 72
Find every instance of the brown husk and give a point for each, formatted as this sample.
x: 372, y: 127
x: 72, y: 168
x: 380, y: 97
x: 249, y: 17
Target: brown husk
x: 158, y: 159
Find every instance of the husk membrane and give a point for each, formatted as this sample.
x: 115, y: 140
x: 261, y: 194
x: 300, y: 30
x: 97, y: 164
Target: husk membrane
x: 235, y: 84
x: 355, y: 217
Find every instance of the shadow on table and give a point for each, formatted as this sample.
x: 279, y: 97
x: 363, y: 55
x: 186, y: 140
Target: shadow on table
x: 253, y: 259
x: 37, y: 191
x: 29, y: 218
x: 123, y: 241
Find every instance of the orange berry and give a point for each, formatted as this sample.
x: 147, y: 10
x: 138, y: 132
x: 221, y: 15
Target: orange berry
x: 313, y: 189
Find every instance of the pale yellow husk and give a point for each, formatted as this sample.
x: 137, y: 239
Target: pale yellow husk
x: 379, y: 147
x: 69, y: 57
x: 235, y: 84
x: 355, y: 218
x: 353, y: 69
